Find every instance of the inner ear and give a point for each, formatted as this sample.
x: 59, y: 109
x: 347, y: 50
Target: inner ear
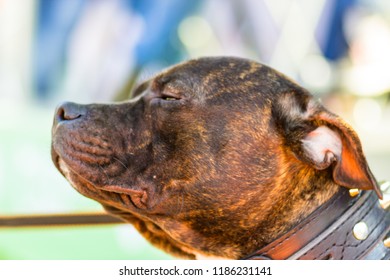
x: 322, y: 147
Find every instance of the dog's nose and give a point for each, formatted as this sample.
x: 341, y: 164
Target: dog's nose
x: 69, y: 111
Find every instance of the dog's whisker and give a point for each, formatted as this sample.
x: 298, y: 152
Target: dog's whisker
x: 180, y: 202
x: 120, y: 162
x: 105, y: 173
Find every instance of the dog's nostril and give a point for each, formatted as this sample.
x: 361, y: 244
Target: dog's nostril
x: 68, y: 116
x: 69, y: 111
x: 60, y: 114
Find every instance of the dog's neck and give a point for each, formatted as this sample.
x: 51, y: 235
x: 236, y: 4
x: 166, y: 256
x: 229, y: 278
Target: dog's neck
x: 299, y: 191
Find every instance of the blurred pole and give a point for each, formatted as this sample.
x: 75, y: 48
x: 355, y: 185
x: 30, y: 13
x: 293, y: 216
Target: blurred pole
x: 81, y: 219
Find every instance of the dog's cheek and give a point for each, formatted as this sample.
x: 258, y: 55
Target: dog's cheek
x: 182, y: 150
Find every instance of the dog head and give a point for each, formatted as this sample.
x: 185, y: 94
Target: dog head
x: 215, y: 156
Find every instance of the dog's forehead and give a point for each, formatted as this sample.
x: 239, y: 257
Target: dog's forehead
x: 217, y: 76
x: 214, y: 68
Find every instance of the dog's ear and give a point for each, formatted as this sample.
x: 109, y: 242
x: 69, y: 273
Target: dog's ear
x: 324, y: 140
x: 335, y: 143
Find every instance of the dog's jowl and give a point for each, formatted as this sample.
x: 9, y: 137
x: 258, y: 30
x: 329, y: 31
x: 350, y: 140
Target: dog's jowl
x: 215, y: 157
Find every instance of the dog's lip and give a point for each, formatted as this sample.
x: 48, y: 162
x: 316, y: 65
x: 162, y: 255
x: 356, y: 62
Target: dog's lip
x: 56, y: 158
x: 117, y: 189
x: 114, y: 189
x: 137, y: 197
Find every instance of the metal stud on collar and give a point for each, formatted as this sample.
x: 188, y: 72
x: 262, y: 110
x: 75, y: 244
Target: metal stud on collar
x: 386, y: 242
x: 360, y: 231
x: 385, y: 203
x: 354, y: 192
x: 385, y: 188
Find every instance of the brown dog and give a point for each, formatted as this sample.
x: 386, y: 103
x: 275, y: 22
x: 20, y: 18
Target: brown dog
x: 214, y: 157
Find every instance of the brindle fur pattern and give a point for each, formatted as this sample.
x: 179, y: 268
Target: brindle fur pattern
x: 218, y: 171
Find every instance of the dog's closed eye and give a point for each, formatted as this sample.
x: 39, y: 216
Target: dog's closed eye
x: 169, y: 97
x: 166, y: 99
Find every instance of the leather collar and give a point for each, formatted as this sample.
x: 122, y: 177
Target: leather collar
x: 328, y: 233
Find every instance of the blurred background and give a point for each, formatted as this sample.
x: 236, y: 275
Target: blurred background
x: 96, y: 50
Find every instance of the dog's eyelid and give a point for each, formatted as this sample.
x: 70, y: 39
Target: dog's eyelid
x: 170, y: 95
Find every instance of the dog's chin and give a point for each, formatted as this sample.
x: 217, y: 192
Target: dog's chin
x: 63, y: 167
x: 72, y: 166
x: 73, y: 178
x: 90, y: 190
x: 82, y: 185
x: 56, y: 160
x: 106, y: 194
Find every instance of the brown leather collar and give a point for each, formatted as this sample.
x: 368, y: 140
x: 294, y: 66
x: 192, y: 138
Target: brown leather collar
x: 328, y: 233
